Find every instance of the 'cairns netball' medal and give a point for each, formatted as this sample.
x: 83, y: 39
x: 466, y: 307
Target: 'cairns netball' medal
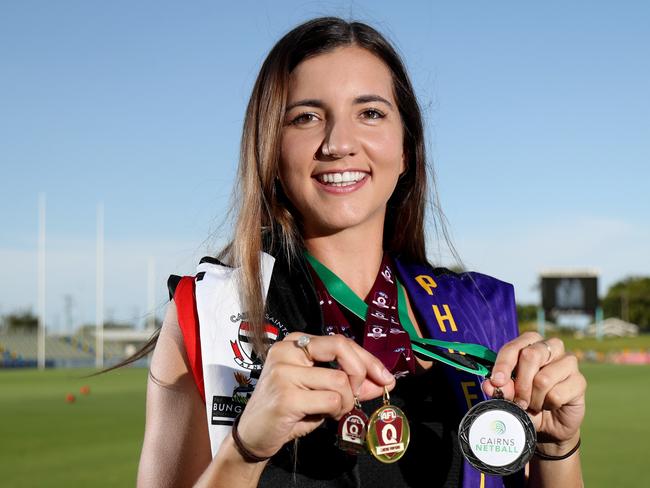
x: 352, y: 430
x: 388, y: 432
x: 496, y: 436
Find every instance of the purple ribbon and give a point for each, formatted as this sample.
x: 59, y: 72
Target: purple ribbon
x: 468, y: 307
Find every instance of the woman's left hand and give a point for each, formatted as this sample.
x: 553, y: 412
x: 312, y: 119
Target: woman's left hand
x: 547, y: 384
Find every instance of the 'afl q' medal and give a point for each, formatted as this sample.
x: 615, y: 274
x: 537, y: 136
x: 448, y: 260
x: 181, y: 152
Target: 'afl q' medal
x: 388, y: 432
x: 352, y: 430
x: 496, y: 436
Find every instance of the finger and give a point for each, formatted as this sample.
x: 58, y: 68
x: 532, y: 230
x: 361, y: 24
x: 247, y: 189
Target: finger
x: 288, y: 350
x: 531, y: 359
x: 319, y: 402
x: 508, y: 356
x: 554, y: 348
x: 549, y: 376
x: 507, y: 390
x: 571, y: 391
x: 351, y: 358
x: 351, y: 362
x: 370, y: 390
x: 286, y: 382
x: 376, y: 371
x: 322, y: 379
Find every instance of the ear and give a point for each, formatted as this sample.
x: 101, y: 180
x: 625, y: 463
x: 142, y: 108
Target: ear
x: 403, y: 165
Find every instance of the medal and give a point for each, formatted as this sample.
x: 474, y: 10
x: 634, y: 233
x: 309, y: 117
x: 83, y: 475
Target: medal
x: 496, y: 436
x: 388, y: 432
x: 352, y: 430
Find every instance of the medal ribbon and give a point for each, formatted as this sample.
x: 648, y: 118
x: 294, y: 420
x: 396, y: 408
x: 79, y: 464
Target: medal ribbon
x: 383, y: 334
x: 473, y: 358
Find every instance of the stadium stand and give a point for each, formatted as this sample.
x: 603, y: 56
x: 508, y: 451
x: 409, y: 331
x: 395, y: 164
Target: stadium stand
x: 19, y: 350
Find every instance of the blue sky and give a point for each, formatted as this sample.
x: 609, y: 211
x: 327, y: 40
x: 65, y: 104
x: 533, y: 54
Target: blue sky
x: 538, y: 125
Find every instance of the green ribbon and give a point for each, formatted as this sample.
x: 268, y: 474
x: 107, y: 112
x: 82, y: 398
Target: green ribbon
x: 426, y: 347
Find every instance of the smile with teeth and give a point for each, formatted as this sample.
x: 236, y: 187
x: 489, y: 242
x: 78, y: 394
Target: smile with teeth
x: 345, y: 178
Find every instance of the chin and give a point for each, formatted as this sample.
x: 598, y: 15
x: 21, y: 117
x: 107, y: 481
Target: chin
x: 337, y: 224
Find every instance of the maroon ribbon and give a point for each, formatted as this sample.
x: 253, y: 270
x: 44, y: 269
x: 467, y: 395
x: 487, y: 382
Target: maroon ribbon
x: 383, y: 334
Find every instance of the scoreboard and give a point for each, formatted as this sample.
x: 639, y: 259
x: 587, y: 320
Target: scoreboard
x: 570, y: 291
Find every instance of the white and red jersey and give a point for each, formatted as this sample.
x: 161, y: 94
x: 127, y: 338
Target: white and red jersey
x: 217, y: 341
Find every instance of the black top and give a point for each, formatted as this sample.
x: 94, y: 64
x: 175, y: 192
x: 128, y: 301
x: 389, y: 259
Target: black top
x: 433, y: 457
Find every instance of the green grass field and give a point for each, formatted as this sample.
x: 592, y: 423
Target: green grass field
x: 609, y: 344
x: 96, y: 440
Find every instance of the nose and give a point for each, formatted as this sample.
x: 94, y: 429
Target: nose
x: 340, y: 139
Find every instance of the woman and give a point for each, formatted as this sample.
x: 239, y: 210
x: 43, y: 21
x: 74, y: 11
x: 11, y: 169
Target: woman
x: 333, y: 175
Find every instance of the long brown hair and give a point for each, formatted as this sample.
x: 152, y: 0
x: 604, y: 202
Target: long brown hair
x: 262, y: 209
x: 262, y: 204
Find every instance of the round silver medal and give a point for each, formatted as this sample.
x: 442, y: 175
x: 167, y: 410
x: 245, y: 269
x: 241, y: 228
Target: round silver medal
x: 497, y: 437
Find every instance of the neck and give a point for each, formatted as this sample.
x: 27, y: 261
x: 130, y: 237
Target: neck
x: 354, y: 256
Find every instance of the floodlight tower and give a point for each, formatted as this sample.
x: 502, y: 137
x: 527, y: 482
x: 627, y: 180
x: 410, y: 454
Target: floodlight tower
x: 99, y: 311
x: 40, y: 345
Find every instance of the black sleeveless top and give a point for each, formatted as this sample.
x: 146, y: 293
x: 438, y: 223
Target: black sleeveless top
x: 433, y: 457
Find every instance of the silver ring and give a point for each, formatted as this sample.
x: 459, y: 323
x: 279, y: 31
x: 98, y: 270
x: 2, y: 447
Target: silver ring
x: 303, y: 343
x: 548, y: 348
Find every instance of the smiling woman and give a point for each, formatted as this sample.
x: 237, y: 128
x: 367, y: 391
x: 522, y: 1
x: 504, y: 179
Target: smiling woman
x: 342, y: 143
x: 323, y: 320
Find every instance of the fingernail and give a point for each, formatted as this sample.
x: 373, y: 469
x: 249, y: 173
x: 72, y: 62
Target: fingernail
x: 388, y: 376
x: 522, y: 403
x: 499, y: 376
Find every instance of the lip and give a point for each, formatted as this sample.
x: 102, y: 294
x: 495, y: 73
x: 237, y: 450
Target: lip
x: 339, y: 170
x: 341, y: 189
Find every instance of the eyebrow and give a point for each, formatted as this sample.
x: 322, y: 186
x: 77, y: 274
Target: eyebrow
x: 314, y: 102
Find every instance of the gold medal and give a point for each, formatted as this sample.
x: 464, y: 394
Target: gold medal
x: 388, y: 432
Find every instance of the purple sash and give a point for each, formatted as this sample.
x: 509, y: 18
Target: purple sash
x: 469, y: 307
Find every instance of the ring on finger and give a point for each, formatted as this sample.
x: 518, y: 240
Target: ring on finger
x: 303, y: 343
x: 548, y: 348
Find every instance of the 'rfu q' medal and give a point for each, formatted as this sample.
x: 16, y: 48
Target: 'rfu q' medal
x: 496, y: 436
x: 352, y: 430
x: 388, y: 432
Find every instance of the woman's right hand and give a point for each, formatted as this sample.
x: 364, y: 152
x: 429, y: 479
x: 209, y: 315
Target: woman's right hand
x: 293, y: 396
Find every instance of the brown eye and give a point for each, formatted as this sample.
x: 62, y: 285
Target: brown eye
x: 303, y: 118
x: 374, y: 114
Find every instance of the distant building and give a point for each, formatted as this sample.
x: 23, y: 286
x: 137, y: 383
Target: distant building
x: 612, y: 327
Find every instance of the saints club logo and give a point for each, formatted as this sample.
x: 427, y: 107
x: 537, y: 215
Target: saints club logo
x: 242, y: 348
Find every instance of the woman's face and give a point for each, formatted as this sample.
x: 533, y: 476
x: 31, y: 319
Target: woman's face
x: 342, y: 141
